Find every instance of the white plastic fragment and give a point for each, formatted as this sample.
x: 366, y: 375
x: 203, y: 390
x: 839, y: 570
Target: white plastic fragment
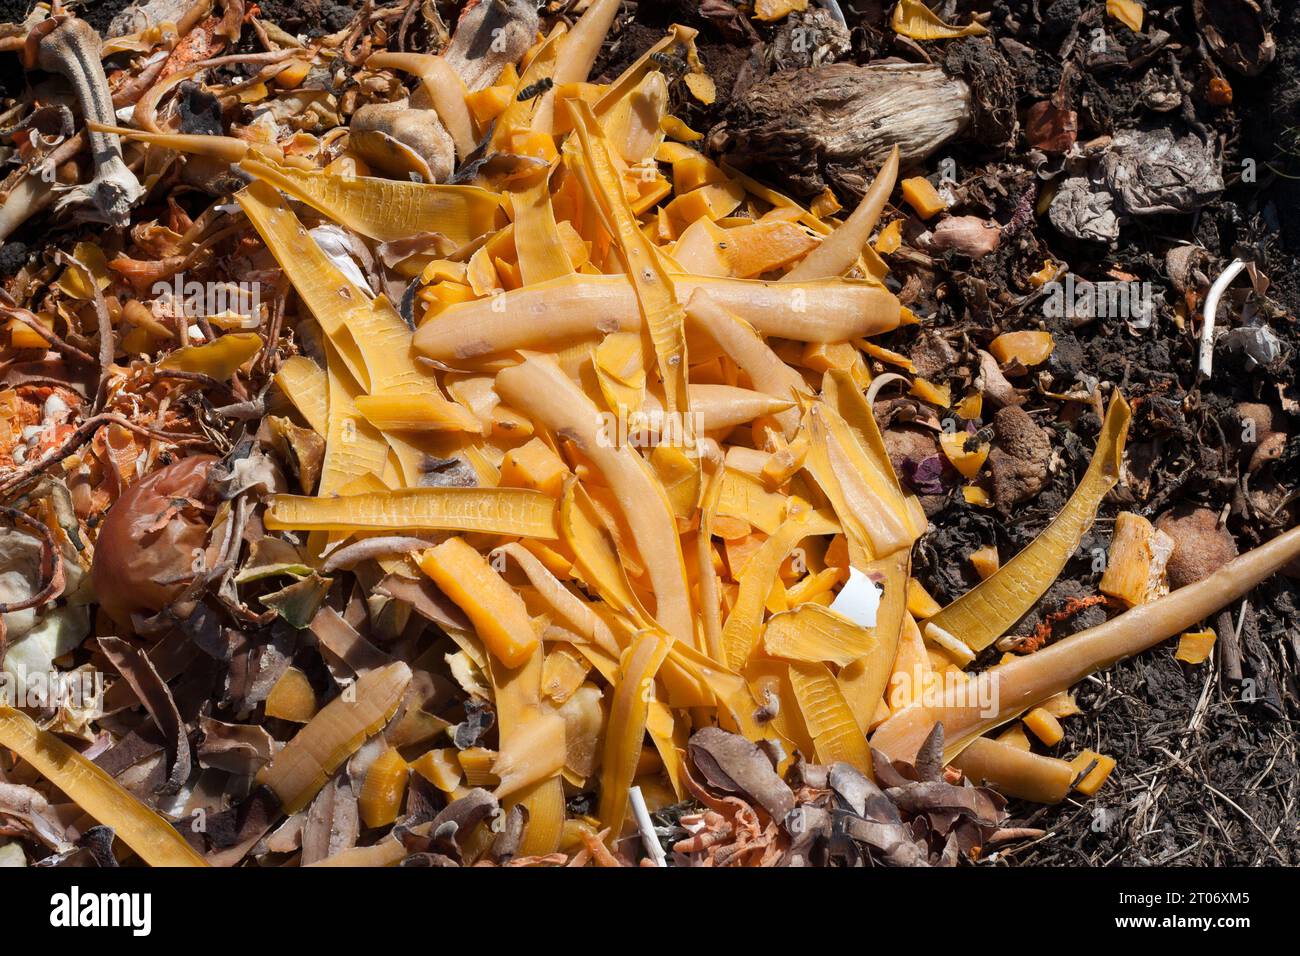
x: 954, y: 645
x: 858, y: 600
x: 333, y: 241
x: 1205, y: 365
x: 648, y: 839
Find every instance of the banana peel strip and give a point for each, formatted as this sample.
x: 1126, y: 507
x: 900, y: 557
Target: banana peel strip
x: 813, y: 634
x: 985, y: 612
x: 537, y: 237
x: 353, y: 448
x: 539, y: 388
x: 627, y: 724
x: 386, y: 209
x: 152, y: 838
x: 518, y: 512
x: 367, y: 333
x: 530, y: 755
x: 570, y: 309
x: 297, y: 773
x: 665, y: 319
x: 576, y: 612
x: 827, y: 716
x: 306, y: 385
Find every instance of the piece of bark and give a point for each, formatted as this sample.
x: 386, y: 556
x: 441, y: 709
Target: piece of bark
x: 848, y: 120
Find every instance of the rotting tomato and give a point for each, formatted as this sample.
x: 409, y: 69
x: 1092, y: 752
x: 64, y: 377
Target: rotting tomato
x: 147, y: 542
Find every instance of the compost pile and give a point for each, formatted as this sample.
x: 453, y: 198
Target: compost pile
x: 783, y: 433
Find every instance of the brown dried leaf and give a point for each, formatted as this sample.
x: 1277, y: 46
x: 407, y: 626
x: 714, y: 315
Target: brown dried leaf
x: 730, y: 763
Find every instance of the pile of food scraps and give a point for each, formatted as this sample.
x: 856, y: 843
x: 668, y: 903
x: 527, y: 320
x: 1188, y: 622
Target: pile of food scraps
x: 422, y: 443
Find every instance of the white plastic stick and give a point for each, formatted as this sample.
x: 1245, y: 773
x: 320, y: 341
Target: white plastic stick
x: 1206, y: 363
x: 648, y: 839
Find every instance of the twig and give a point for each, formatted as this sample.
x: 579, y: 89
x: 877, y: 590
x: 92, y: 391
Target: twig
x: 66, y: 349
x: 82, y: 434
x: 1230, y: 646
x: 51, y: 564
x: 107, y: 341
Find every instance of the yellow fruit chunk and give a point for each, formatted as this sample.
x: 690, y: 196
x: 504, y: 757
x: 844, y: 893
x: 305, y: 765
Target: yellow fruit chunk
x: 711, y: 202
x: 439, y: 767
x: 534, y: 465
x: 424, y: 412
x: 919, y: 602
x: 691, y: 170
x: 220, y: 358
x: 25, y: 337
x: 1027, y: 348
x: 825, y: 204
x: 815, y: 588
x: 292, y: 698
x: 769, y: 11
x: 923, y: 197
x: 824, y: 356
x: 291, y: 77
x: 968, y: 462
x: 702, y: 86
x: 984, y: 561
x: 1135, y: 565
x: 1044, y: 726
x: 381, y: 794
x: 1194, y: 647
x: 493, y: 606
x: 1061, y: 705
x: 1095, y: 777
x: 971, y: 407
x: 890, y: 238
x: 1127, y: 12
x: 976, y: 496
x: 442, y: 294
x: 489, y: 103
x: 928, y: 391
x: 1044, y: 275
x: 785, y: 463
